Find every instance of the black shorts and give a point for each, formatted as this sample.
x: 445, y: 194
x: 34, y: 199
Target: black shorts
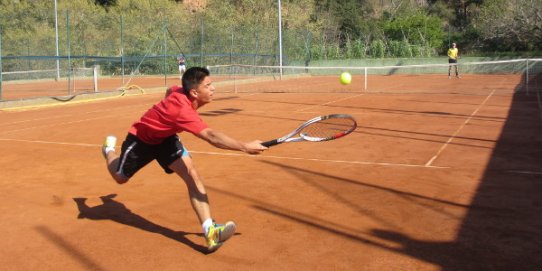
x: 452, y: 61
x: 136, y: 154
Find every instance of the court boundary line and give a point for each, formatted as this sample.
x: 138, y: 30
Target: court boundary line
x: 52, y: 125
x: 459, y: 129
x: 338, y: 100
x: 363, y: 93
x: 45, y: 103
x: 523, y: 172
x: 245, y: 155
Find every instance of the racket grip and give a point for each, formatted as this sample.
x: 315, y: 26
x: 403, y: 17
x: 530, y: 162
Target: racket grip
x: 270, y: 143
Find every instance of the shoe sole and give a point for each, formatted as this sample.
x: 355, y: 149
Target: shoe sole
x: 229, y: 231
x: 217, y: 246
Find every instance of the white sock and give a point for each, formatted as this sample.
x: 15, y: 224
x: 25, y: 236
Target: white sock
x: 108, y: 149
x: 206, y: 224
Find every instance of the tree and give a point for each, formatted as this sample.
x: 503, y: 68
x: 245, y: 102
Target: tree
x: 417, y: 28
x: 106, y: 3
x: 506, y: 25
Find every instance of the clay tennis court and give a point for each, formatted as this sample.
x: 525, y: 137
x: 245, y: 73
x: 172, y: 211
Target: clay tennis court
x: 428, y: 181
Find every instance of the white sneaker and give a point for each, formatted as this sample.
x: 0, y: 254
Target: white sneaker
x: 109, y: 145
x: 218, y: 234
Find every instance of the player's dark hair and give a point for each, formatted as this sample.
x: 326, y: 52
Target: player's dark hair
x: 193, y: 77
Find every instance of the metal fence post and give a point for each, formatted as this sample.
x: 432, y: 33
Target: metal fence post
x: 0, y: 63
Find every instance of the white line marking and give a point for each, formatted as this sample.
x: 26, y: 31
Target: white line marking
x: 55, y: 104
x: 51, y: 142
x: 459, y: 129
x: 53, y: 125
x: 321, y: 160
x: 245, y: 155
x: 313, y: 106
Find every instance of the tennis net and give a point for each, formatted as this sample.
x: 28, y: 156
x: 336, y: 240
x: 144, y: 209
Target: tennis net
x: 476, y: 78
x: 50, y: 82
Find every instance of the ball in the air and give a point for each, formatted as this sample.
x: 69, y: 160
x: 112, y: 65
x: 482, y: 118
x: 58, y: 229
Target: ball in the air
x: 345, y: 78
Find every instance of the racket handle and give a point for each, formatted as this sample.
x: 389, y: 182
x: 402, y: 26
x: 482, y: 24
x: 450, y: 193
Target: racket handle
x: 270, y: 143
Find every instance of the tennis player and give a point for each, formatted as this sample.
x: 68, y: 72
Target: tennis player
x: 453, y: 55
x: 154, y: 137
x: 182, y: 65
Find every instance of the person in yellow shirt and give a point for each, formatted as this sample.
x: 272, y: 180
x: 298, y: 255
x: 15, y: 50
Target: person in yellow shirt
x: 453, y: 55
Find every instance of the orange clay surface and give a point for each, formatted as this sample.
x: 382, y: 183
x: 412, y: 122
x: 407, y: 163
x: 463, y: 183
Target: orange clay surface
x: 426, y: 182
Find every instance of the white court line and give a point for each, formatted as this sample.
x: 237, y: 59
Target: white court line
x: 459, y: 129
x: 342, y: 99
x: 55, y: 104
x: 320, y: 160
x: 53, y: 125
x: 245, y: 155
x: 51, y: 142
x: 89, y: 119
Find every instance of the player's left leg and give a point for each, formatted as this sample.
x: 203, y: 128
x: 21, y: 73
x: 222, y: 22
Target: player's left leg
x: 215, y: 234
x: 196, y: 190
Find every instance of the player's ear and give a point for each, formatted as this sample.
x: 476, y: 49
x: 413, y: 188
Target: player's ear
x: 193, y: 93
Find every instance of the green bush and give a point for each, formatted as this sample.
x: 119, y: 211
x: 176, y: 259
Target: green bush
x: 378, y: 49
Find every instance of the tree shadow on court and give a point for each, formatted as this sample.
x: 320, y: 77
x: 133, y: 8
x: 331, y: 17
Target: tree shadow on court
x: 502, y: 228
x: 508, y: 235
x: 113, y: 210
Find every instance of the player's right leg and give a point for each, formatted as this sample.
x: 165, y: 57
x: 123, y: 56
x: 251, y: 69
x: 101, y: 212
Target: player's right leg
x: 135, y: 154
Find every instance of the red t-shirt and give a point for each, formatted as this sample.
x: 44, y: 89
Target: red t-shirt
x: 172, y: 115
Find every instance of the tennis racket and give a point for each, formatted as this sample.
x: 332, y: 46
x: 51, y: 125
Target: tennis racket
x: 321, y: 128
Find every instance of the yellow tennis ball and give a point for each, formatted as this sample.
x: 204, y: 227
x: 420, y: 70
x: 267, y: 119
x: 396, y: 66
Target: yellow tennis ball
x: 345, y: 78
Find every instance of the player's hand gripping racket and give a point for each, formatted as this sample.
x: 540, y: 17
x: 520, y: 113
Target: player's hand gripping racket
x: 321, y: 128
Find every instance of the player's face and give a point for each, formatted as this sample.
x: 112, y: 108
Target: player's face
x: 205, y: 91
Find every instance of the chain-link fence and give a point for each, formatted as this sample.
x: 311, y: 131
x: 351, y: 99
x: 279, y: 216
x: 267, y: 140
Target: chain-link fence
x: 128, y: 44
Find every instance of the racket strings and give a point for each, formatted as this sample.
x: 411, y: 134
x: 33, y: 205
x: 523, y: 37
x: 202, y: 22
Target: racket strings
x: 328, y: 128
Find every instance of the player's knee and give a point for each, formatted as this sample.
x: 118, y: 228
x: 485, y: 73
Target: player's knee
x: 120, y: 179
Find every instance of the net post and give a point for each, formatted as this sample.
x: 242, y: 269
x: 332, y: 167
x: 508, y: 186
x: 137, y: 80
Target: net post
x: 68, y: 44
x: 234, y: 79
x: 527, y: 77
x: 365, y: 69
x: 95, y: 77
x: 1, y: 63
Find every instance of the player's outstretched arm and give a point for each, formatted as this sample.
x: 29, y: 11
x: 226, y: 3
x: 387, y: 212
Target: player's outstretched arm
x: 220, y: 140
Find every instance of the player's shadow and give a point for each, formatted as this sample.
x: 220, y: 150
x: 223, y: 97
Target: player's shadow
x: 111, y: 209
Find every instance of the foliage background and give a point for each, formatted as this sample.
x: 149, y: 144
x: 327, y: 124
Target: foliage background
x: 132, y: 32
